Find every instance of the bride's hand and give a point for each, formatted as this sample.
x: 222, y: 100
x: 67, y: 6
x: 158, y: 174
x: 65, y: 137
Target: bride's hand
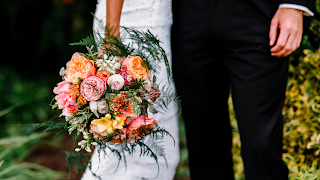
x: 114, y: 8
x: 110, y: 33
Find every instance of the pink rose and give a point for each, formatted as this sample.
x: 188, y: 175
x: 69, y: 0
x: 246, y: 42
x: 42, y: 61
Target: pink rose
x: 92, y: 88
x: 129, y: 119
x: 116, y: 82
x: 142, y: 120
x: 64, y: 101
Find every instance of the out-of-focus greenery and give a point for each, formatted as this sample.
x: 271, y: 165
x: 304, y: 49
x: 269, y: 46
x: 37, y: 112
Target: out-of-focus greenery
x: 23, y: 101
x: 35, y: 36
x: 183, y: 168
x: 12, y: 154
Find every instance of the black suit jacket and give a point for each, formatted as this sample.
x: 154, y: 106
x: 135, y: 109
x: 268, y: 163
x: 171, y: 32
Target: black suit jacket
x: 269, y: 7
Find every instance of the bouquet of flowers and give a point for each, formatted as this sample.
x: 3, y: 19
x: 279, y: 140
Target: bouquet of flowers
x: 107, y: 97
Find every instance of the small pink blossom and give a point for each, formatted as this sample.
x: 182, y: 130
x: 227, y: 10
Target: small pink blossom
x: 127, y: 77
x: 92, y: 88
x: 153, y: 94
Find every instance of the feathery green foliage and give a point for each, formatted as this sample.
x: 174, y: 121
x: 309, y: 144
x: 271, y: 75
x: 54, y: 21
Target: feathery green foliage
x: 78, y: 159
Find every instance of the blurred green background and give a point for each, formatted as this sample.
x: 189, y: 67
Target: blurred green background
x: 36, y: 35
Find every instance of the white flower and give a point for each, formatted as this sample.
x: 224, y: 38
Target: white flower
x: 93, y: 105
x: 94, y: 143
x: 102, y: 106
x: 79, y: 143
x: 62, y: 71
x: 80, y: 129
x: 77, y: 149
x: 94, y: 108
x: 66, y: 114
x: 85, y: 137
x: 88, y: 149
x: 129, y: 77
x: 150, y: 115
x: 116, y: 82
x: 110, y: 64
x: 95, y: 136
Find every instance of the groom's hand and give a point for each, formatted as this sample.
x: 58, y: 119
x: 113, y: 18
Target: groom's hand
x: 289, y: 21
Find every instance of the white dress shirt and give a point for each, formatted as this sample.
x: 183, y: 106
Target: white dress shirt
x: 306, y: 11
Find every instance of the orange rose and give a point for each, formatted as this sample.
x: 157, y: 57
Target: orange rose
x: 103, y: 75
x: 79, y: 66
x: 136, y: 67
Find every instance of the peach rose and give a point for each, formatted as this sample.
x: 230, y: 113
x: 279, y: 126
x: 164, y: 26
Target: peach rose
x: 136, y: 67
x: 79, y: 66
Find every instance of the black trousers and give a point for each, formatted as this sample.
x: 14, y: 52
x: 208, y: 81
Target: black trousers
x: 218, y: 44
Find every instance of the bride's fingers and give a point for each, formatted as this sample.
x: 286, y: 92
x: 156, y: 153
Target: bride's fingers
x: 100, y: 52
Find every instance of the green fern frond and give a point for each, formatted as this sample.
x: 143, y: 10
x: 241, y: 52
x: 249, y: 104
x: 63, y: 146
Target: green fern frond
x: 145, y: 150
x: 78, y: 159
x: 88, y: 41
x: 167, y: 96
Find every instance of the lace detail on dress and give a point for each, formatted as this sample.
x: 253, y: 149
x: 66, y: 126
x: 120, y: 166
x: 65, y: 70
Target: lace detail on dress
x: 141, y: 13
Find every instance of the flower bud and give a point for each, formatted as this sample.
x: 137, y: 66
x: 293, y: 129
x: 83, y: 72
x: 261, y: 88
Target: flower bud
x: 94, y: 143
x: 77, y: 149
x: 88, y: 149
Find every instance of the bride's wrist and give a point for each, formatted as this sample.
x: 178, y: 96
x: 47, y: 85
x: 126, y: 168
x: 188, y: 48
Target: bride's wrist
x: 112, y: 27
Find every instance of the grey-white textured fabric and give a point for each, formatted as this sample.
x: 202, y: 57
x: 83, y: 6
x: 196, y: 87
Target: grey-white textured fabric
x: 156, y: 16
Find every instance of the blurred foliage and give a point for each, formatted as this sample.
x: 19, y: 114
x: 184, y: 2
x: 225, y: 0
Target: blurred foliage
x: 36, y: 34
x: 24, y: 101
x: 301, y: 141
x: 183, y: 168
x: 13, y: 152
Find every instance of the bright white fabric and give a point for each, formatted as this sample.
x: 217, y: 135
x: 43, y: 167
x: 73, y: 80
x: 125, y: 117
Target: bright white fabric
x: 306, y: 11
x: 156, y: 16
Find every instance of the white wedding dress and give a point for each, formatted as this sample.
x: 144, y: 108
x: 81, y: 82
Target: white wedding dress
x: 155, y: 15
